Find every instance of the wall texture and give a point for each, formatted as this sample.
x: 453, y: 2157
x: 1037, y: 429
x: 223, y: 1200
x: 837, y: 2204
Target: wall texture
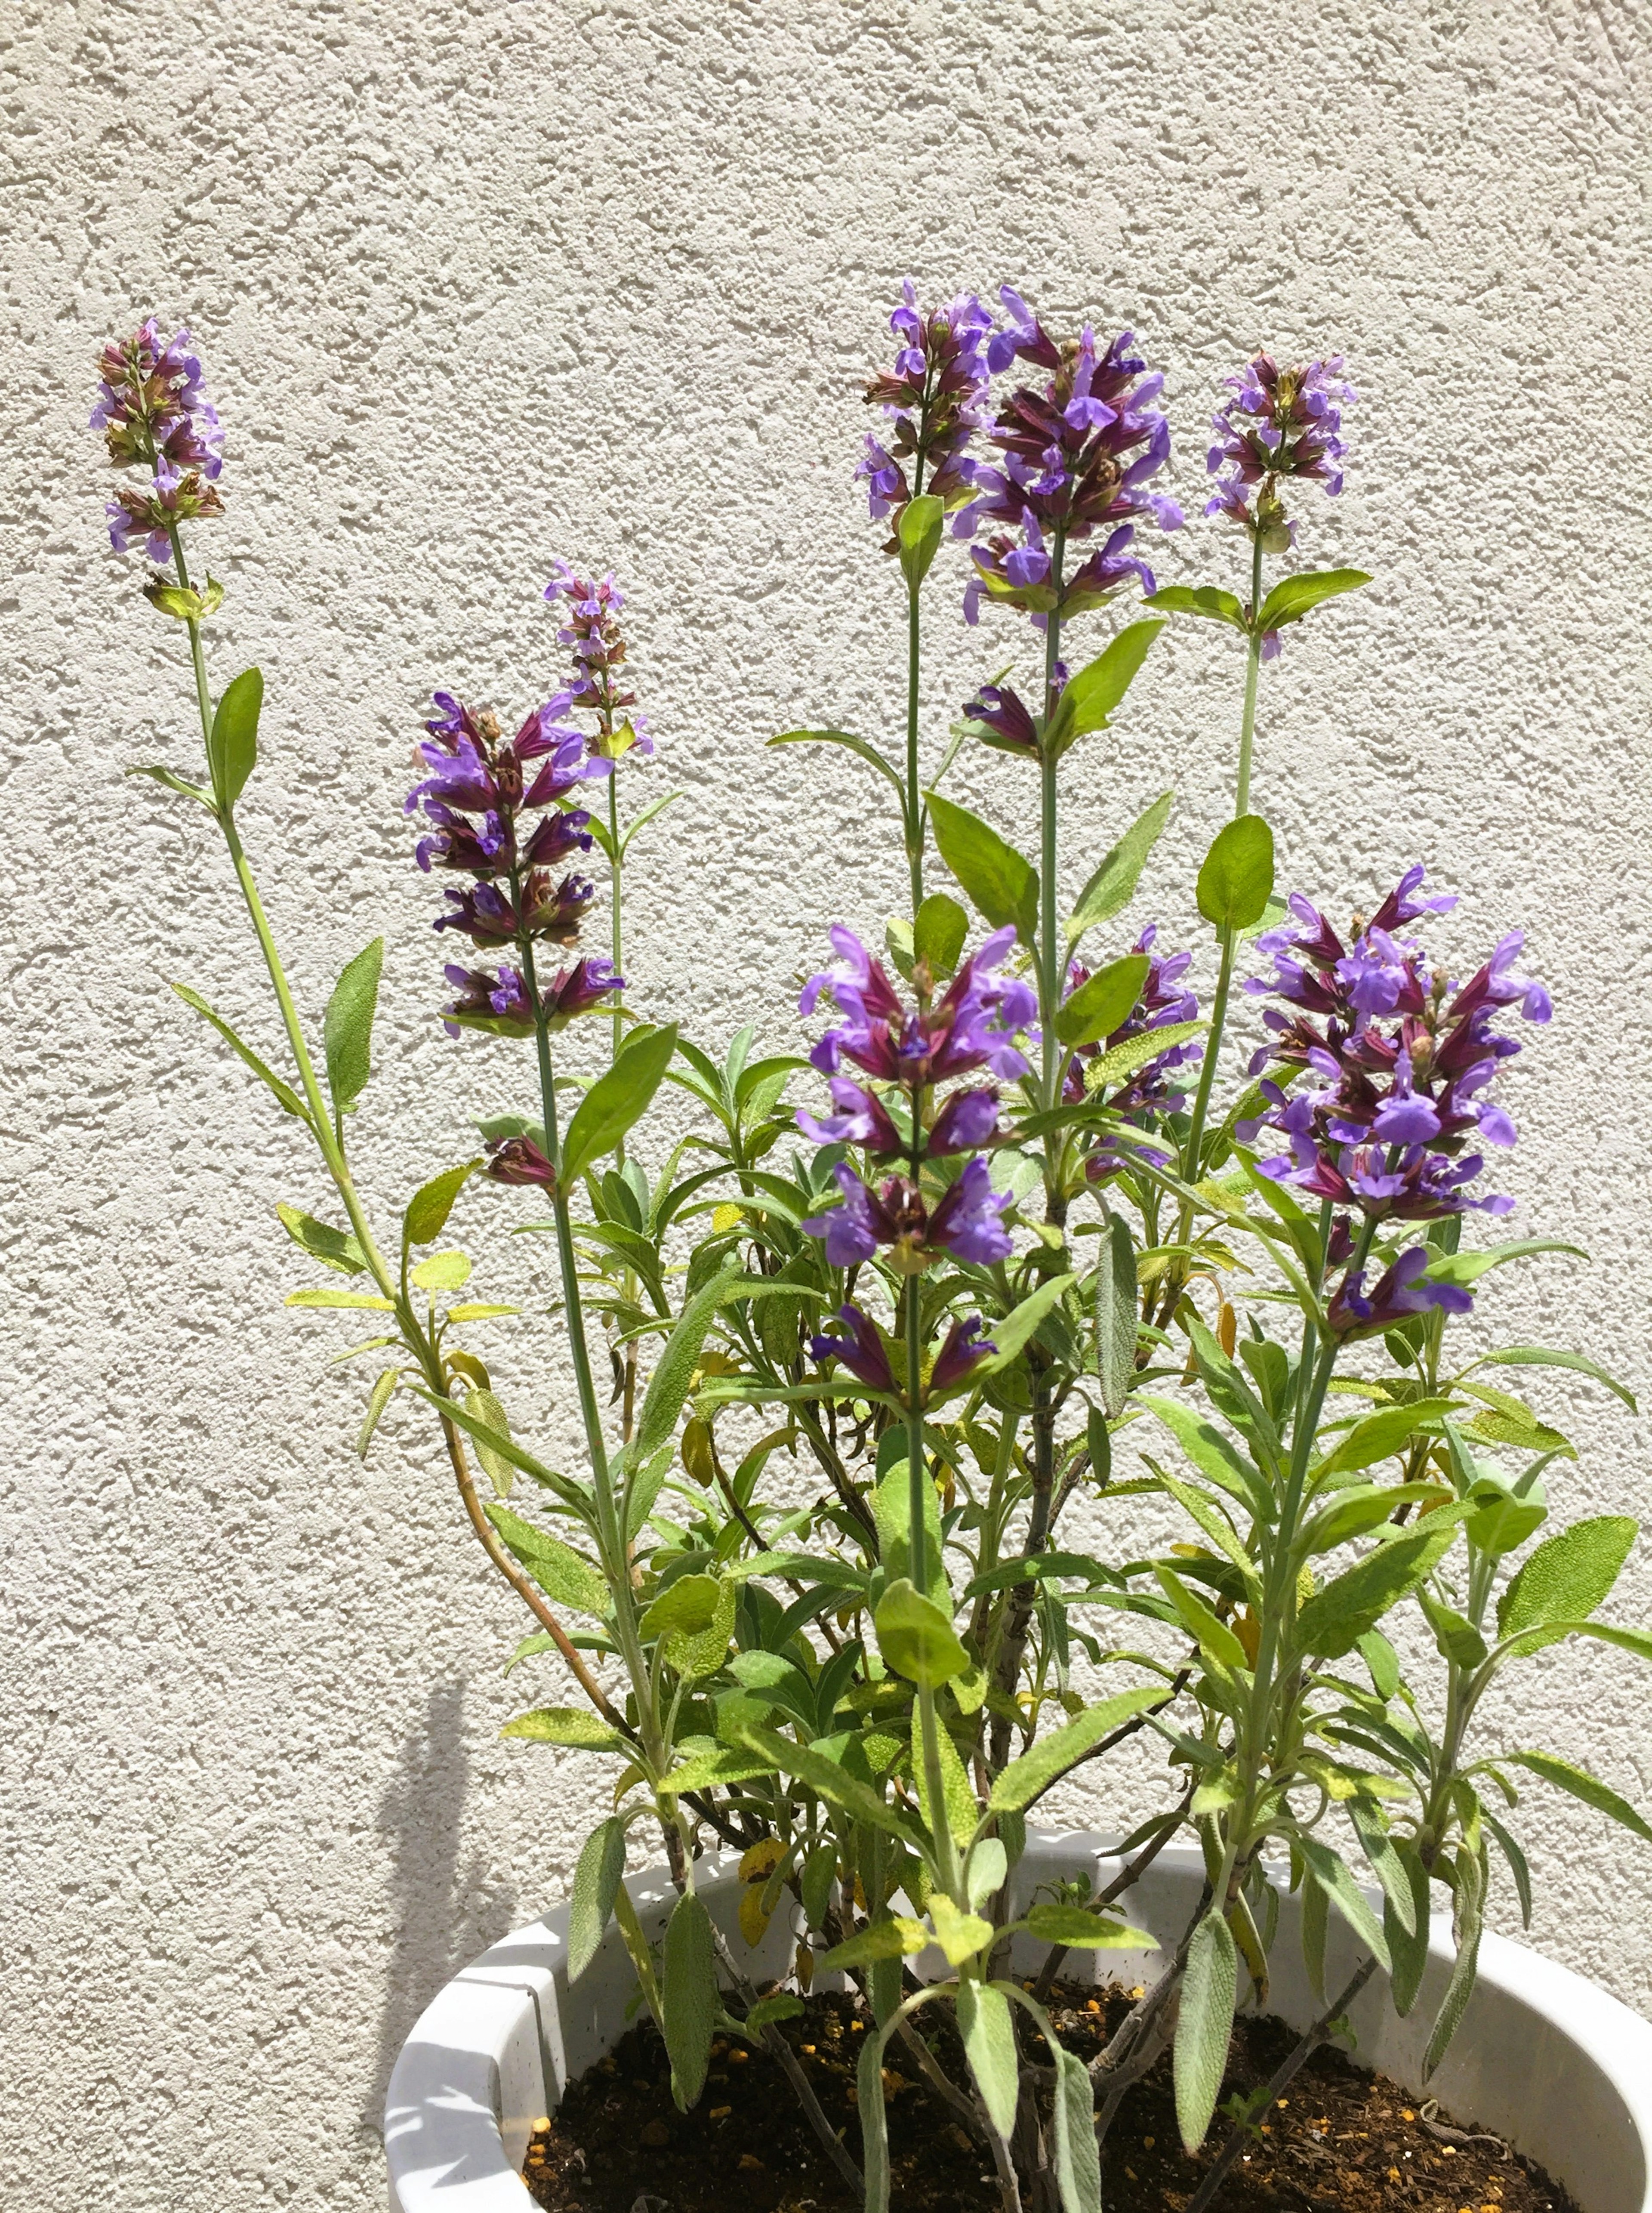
x: 481, y: 283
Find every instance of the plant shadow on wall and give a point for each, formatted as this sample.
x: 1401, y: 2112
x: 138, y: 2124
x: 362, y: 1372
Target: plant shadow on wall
x: 439, y: 1915
x: 995, y: 1243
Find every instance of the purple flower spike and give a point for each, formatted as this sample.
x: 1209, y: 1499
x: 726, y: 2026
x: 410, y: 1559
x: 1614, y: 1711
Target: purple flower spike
x: 1280, y: 423
x: 862, y: 1352
x: 972, y: 1026
x: 155, y: 414
x: 854, y: 1230
x: 1078, y: 454
x: 862, y: 1119
x: 1397, y: 1295
x: 934, y: 399
x: 1393, y: 1084
x: 592, y: 608
x: 964, y: 1350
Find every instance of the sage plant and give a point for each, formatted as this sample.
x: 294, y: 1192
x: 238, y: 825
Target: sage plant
x: 1020, y: 1216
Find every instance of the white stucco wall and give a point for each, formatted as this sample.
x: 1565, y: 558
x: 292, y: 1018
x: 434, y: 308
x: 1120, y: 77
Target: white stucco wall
x: 481, y: 283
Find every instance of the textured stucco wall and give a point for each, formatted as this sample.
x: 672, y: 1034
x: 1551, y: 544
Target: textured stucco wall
x: 482, y: 284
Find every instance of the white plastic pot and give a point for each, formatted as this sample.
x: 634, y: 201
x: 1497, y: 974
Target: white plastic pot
x: 1542, y: 2058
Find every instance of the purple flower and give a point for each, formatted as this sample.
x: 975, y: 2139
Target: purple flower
x: 1279, y: 423
x: 1398, y: 1294
x: 862, y: 1352
x: 519, y: 1160
x: 964, y: 1350
x: 934, y: 399
x: 1391, y: 1087
x: 965, y: 1223
x: 490, y: 916
x: 972, y: 1026
x: 154, y: 413
x: 500, y: 1003
x: 968, y: 1120
x: 1154, y: 1090
x: 591, y: 630
x: 862, y: 1118
x: 1078, y: 454
x: 1006, y: 716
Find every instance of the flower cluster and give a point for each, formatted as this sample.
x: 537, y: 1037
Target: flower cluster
x: 1397, y: 1075
x: 592, y: 633
x: 935, y: 398
x: 154, y: 413
x: 1078, y: 456
x: 863, y: 1352
x: 1153, y: 1090
x: 973, y: 1026
x: 478, y: 796
x: 1280, y: 423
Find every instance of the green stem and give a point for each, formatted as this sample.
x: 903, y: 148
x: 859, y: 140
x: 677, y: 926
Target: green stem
x: 917, y: 1554
x: 614, y: 869
x: 1190, y: 1167
x: 914, y: 797
x: 1253, y: 668
x: 1048, y: 963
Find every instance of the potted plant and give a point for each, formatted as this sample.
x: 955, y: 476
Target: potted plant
x: 864, y: 1335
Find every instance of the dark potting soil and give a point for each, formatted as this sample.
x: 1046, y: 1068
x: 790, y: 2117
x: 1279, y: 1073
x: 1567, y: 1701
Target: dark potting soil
x: 1340, y: 2141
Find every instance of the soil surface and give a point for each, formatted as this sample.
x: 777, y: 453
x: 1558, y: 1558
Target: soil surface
x: 1340, y: 2141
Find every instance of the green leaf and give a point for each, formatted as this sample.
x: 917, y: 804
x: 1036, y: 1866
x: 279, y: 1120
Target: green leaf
x: 1237, y: 874
x: 714, y: 1770
x: 1315, y: 1919
x: 1013, y: 1333
x: 642, y: 817
x: 1372, y: 1831
x: 1539, y: 1355
x: 870, y: 754
x: 1335, y: 1618
x: 669, y: 1385
x: 1204, y: 599
x: 231, y: 748
x: 1292, y: 597
x: 1408, y: 1948
x: 1517, y: 1864
x: 1465, y: 1268
x: 1468, y: 1920
x: 1112, y: 886
x: 939, y: 932
x: 430, y: 1205
x: 917, y: 533
x: 1023, y: 1779
x: 378, y: 1399
x: 347, y: 1029
x: 779, y: 2005
x: 442, y: 1272
x: 916, y: 1637
x: 1000, y: 884
x: 1215, y: 1639
x: 1209, y: 1450
x: 1072, y: 2132
x: 825, y: 1777
x: 285, y: 1093
x: 1204, y: 2025
x: 485, y: 1408
x: 1380, y: 1435
x: 1638, y: 1641
x: 1567, y: 1577
x: 597, y: 1877
x: 333, y: 1248
x: 1332, y: 1872
x: 1381, y: 1660
x: 555, y: 1567
x: 1073, y: 1926
x: 691, y: 2003
x: 1116, y: 1295
x: 960, y: 1934
x: 174, y: 782
x: 897, y: 1937
x: 367, y: 1300
x: 683, y: 1609
x: 1103, y: 1001
x: 1090, y: 698
x: 988, y: 2030
x: 565, y: 1725
x: 617, y: 1100
x: 1581, y: 1785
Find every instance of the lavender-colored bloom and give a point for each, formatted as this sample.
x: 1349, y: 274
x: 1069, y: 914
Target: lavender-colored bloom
x: 854, y: 1230
x: 1280, y: 423
x: 1391, y: 1088
x: 500, y: 1003
x: 934, y: 399
x: 591, y: 629
x: 963, y: 1352
x: 155, y: 414
x: 862, y: 1118
x: 861, y: 1351
x: 968, y: 1120
x: 1006, y: 720
x: 1398, y: 1294
x: 972, y: 1026
x: 968, y: 1220
x: 1078, y: 453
